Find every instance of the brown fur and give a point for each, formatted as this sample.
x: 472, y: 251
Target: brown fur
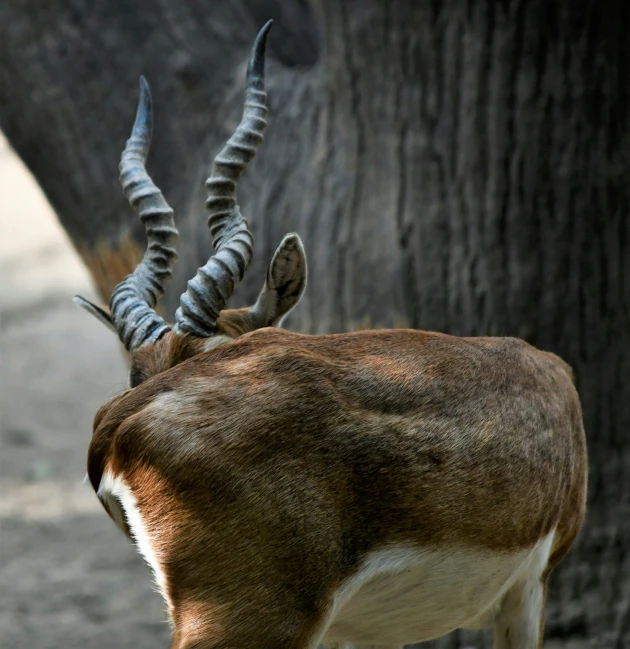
x: 171, y: 349
x: 282, y: 459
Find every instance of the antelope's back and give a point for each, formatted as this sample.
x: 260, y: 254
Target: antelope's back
x: 355, y: 441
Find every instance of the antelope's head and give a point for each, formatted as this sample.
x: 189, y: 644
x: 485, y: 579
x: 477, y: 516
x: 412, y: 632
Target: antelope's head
x: 201, y: 321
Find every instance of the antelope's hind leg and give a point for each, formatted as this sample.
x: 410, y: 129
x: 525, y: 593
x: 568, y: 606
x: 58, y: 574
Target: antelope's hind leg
x: 520, y: 621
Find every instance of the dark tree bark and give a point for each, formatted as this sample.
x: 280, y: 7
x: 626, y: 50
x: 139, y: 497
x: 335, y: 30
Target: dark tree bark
x: 453, y: 165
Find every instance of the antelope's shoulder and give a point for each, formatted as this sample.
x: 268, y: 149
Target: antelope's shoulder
x: 122, y: 410
x: 270, y: 379
x: 403, y: 357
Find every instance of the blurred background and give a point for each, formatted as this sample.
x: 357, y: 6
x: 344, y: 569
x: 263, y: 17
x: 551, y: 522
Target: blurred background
x: 461, y: 166
x: 68, y: 578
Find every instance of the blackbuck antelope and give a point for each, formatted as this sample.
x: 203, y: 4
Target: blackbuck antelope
x: 369, y: 488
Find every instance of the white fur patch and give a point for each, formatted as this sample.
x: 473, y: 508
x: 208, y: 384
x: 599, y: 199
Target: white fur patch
x: 215, y: 341
x: 519, y: 620
x: 116, y: 493
x: 402, y: 595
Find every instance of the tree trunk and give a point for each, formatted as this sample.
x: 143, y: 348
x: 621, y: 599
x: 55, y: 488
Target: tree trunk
x: 451, y: 165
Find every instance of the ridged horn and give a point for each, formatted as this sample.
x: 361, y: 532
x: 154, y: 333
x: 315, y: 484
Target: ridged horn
x: 133, y: 300
x: 209, y: 290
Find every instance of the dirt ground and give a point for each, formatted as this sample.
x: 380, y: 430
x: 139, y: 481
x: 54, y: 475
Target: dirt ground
x: 68, y: 578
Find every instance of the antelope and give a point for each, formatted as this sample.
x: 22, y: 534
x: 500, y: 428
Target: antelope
x: 373, y: 488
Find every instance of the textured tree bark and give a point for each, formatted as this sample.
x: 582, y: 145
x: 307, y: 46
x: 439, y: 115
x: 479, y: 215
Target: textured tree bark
x: 452, y: 165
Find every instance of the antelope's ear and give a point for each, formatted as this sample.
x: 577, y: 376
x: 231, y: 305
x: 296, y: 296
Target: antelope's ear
x: 101, y: 314
x: 284, y: 286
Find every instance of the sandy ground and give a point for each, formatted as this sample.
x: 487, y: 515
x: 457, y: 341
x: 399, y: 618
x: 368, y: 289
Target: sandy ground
x: 68, y: 578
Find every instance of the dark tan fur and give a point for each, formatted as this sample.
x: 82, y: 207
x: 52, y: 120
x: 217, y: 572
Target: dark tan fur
x: 172, y: 349
x: 271, y: 465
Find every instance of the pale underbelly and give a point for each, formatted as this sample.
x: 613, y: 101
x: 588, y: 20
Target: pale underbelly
x: 403, y: 596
